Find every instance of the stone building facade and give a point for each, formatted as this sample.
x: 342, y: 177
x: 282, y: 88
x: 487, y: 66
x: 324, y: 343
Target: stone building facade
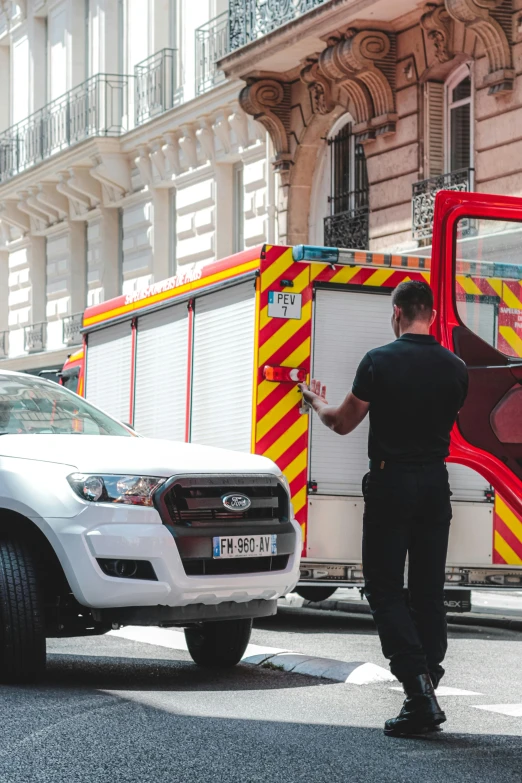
x: 141, y: 138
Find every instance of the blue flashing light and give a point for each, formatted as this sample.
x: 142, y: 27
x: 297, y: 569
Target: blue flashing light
x: 326, y: 255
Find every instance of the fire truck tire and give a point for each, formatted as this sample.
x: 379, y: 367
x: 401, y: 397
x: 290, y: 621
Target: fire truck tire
x: 22, y: 626
x: 315, y: 594
x: 218, y: 645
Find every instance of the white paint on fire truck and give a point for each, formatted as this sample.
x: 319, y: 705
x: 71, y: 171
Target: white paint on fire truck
x: 282, y: 304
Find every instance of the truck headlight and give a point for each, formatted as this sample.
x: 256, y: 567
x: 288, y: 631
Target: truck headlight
x: 132, y: 490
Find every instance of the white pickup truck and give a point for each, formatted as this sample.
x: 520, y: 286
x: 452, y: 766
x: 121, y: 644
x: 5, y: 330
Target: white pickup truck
x: 101, y: 528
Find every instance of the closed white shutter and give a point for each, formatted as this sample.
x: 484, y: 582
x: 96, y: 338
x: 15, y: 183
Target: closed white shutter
x: 223, y: 368
x: 434, y: 128
x: 347, y: 324
x: 109, y: 356
x: 161, y: 373
x: 362, y: 320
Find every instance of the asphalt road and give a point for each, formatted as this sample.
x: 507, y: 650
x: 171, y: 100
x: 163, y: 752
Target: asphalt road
x: 114, y: 710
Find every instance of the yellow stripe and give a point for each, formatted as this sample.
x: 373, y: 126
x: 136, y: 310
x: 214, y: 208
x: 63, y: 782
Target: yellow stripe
x: 468, y: 285
x: 173, y: 293
x: 505, y: 551
x: 426, y: 276
x: 508, y: 518
x: 510, y: 299
x: 345, y: 274
x: 296, y: 467
x: 283, y: 334
x: 285, y: 441
x: 299, y: 500
x: 380, y: 276
x: 512, y: 338
x: 289, y: 401
x: 496, y: 285
x: 276, y: 269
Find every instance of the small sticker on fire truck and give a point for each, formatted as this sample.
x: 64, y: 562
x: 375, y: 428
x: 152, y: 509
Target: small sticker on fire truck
x: 284, y: 305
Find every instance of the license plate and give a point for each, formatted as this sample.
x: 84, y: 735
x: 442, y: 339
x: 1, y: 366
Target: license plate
x: 244, y: 546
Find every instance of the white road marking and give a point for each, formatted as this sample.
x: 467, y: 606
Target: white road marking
x: 514, y: 710
x: 445, y: 690
x: 355, y: 673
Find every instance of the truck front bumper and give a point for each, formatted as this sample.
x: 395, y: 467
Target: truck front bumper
x: 111, y: 532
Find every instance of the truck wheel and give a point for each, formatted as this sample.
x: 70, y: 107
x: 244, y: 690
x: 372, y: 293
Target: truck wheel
x: 22, y: 627
x: 315, y: 594
x: 218, y: 645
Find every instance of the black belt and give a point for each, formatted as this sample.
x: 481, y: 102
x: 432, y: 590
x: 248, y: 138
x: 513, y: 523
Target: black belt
x: 380, y: 464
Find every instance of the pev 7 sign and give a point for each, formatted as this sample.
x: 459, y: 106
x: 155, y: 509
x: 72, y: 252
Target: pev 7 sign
x: 477, y: 282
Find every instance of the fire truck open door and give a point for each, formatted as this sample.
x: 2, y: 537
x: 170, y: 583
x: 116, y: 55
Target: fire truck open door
x: 477, y: 249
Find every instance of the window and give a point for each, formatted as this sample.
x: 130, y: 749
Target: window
x: 347, y: 224
x: 459, y: 136
x: 239, y: 209
x: 488, y: 274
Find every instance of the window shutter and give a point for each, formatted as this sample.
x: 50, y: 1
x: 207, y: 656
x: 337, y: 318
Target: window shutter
x: 434, y: 129
x: 109, y: 358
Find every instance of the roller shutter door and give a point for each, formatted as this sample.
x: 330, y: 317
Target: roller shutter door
x: 223, y: 368
x: 161, y: 374
x: 109, y: 355
x: 358, y: 322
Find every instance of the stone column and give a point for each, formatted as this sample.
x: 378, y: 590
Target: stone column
x: 78, y: 271
x: 224, y: 219
x: 110, y: 252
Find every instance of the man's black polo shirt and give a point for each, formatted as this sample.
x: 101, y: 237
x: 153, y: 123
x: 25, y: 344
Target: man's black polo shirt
x: 415, y: 388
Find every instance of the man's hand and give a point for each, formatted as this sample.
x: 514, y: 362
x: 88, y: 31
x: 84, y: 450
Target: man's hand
x: 314, y: 392
x: 342, y: 419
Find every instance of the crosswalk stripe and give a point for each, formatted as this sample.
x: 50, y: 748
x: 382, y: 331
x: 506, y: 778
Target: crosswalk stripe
x: 513, y: 710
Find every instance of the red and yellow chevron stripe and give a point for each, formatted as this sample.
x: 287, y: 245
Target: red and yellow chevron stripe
x: 507, y: 535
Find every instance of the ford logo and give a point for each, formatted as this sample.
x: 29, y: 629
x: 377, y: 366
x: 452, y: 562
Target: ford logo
x: 236, y: 502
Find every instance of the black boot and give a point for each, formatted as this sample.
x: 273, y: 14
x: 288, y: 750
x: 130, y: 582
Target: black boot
x: 421, y: 712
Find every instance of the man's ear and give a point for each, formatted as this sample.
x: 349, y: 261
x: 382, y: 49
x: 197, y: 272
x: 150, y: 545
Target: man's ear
x: 433, y: 316
x: 396, y: 312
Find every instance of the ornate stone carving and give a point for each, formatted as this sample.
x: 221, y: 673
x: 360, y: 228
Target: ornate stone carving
x: 267, y: 101
x: 238, y: 121
x: 437, y: 23
x: 476, y: 16
x: 205, y: 136
x: 188, y: 145
x: 350, y: 63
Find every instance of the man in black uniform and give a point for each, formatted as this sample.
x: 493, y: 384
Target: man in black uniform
x: 413, y: 389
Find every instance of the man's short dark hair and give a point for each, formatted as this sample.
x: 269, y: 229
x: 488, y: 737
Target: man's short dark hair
x: 415, y: 299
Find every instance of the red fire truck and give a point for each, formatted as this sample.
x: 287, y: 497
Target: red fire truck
x: 213, y: 356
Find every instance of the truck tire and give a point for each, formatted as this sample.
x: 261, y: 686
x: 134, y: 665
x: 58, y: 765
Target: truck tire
x: 218, y: 645
x: 22, y: 627
x: 315, y: 594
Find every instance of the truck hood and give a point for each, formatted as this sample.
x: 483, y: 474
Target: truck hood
x: 132, y: 456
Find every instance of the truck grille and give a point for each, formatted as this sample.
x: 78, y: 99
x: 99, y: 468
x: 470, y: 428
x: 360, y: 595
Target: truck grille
x: 247, y: 565
x: 197, y: 501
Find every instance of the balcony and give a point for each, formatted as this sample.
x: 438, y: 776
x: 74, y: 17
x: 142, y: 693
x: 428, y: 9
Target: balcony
x: 35, y: 338
x: 97, y: 107
x: 4, y: 345
x: 155, y: 86
x: 251, y: 19
x: 423, y: 198
x: 347, y: 229
x: 71, y: 329
x: 211, y: 45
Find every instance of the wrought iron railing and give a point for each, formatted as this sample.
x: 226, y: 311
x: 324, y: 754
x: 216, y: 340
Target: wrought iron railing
x: 71, y: 329
x: 156, y: 88
x: 97, y: 107
x: 347, y: 229
x: 4, y: 345
x: 35, y: 337
x: 423, y: 198
x: 211, y: 45
x: 250, y: 19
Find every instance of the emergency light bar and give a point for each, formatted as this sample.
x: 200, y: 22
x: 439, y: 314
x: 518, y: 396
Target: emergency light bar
x: 335, y: 256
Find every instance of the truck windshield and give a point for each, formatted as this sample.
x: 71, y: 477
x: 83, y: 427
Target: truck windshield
x: 29, y: 405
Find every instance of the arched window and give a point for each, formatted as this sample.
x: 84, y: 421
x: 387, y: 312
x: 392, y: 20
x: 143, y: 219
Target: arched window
x: 459, y: 121
x: 339, y: 210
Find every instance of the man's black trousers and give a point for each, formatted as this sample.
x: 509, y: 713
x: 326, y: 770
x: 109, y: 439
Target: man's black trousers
x: 407, y: 513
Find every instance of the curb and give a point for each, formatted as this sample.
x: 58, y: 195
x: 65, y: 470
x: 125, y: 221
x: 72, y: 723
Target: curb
x: 360, y: 607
